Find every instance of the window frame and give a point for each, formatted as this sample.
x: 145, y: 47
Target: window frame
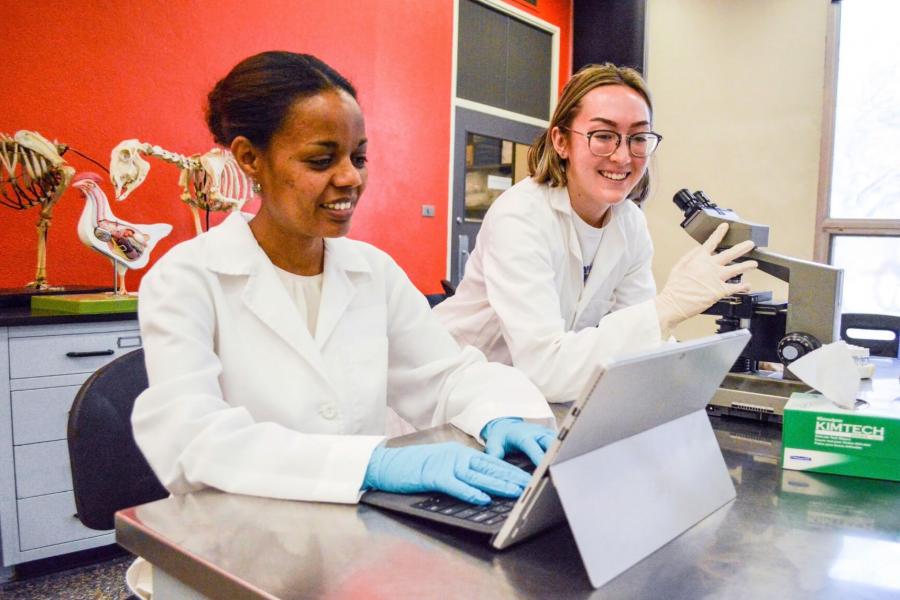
x: 827, y: 228
x: 491, y: 112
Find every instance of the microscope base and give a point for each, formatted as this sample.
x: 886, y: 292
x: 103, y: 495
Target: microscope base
x: 760, y: 395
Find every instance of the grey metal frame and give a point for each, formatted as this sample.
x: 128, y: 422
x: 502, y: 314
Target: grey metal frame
x: 826, y: 227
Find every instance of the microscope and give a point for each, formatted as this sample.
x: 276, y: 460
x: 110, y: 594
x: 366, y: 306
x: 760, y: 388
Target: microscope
x: 782, y: 331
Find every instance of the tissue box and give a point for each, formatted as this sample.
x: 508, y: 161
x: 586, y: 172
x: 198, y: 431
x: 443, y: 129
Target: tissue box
x: 819, y: 436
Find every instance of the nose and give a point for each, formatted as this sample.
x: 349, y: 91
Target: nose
x: 622, y: 154
x: 347, y: 174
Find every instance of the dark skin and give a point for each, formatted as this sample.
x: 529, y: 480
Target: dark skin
x: 311, y: 175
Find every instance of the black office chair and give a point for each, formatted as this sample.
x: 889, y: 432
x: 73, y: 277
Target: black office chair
x: 868, y: 322
x: 449, y: 288
x: 435, y: 299
x: 109, y: 472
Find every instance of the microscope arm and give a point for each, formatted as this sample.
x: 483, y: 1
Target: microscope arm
x: 814, y: 293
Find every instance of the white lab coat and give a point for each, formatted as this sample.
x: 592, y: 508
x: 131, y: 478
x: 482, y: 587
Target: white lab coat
x: 242, y: 398
x: 523, y: 300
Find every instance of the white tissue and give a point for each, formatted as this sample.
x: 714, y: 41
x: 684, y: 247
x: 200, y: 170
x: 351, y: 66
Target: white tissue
x: 832, y: 371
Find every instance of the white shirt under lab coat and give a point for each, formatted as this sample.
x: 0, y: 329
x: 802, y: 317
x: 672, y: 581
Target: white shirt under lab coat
x: 523, y: 300
x: 242, y: 398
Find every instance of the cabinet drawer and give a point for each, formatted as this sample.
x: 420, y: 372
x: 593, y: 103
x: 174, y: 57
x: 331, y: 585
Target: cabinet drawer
x: 48, y: 520
x: 66, y: 354
x: 42, y: 469
x: 42, y: 415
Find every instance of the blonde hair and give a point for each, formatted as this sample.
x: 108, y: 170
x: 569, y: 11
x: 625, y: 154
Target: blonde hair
x: 544, y: 163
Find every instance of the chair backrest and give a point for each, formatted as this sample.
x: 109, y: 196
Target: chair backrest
x: 868, y: 322
x: 109, y: 472
x: 435, y: 299
x: 449, y: 288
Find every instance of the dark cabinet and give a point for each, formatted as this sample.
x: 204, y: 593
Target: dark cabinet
x: 608, y: 31
x: 503, y: 62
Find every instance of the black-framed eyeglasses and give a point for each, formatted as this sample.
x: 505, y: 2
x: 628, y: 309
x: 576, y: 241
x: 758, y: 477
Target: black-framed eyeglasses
x: 605, y: 142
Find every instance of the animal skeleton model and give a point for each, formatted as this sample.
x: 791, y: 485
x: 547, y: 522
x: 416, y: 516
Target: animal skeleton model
x: 126, y: 244
x: 34, y: 173
x: 210, y: 182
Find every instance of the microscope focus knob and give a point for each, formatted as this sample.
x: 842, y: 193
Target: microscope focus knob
x: 796, y: 344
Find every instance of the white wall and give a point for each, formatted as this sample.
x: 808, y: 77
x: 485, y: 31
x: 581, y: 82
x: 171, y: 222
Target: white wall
x: 738, y: 89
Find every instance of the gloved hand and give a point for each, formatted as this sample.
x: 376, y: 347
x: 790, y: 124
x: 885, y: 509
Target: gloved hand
x: 512, y: 433
x: 700, y: 278
x: 450, y: 468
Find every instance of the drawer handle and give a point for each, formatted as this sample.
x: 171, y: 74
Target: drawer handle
x: 86, y: 354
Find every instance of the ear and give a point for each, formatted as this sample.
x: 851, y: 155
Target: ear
x: 560, y: 142
x: 247, y: 156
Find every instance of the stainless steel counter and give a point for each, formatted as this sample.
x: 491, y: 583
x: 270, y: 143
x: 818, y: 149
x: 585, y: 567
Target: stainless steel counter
x: 787, y: 535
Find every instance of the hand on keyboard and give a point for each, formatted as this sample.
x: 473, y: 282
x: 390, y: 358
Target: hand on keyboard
x: 512, y: 433
x: 450, y: 468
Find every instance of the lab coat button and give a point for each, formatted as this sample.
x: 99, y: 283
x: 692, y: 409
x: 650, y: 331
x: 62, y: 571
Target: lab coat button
x: 328, y: 411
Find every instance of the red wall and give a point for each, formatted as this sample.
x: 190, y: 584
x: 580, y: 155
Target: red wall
x: 98, y: 73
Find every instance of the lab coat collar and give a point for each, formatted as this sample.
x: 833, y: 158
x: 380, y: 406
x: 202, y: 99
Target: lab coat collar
x: 345, y: 267
x: 231, y: 249
x: 612, y: 246
x: 560, y: 202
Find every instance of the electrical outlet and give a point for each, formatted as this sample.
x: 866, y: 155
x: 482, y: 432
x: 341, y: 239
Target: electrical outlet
x: 427, y: 210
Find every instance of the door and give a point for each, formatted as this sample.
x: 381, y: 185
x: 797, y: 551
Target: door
x: 490, y: 155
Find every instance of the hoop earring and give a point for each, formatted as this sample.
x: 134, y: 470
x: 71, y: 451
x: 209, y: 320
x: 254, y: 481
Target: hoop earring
x: 256, y: 187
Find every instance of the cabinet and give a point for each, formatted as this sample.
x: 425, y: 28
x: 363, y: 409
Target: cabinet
x: 42, y: 366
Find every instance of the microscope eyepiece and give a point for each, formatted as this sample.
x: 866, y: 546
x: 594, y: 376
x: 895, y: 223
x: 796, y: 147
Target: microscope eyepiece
x: 691, y: 203
x: 685, y: 201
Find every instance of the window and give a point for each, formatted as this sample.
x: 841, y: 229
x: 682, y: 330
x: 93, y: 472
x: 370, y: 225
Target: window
x: 492, y: 166
x: 859, y: 214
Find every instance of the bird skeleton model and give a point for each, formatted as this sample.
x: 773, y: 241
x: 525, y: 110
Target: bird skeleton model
x: 210, y: 182
x: 126, y: 244
x: 33, y: 173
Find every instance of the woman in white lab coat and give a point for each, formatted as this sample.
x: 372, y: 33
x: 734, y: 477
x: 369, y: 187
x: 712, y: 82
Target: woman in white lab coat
x: 560, y: 278
x: 274, y: 345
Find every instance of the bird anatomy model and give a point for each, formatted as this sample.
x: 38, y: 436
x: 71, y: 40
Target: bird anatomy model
x: 33, y: 173
x: 209, y: 182
x: 126, y: 244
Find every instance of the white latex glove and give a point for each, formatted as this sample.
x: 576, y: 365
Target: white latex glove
x: 700, y: 278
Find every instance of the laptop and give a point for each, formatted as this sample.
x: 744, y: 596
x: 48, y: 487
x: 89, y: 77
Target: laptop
x: 634, y: 465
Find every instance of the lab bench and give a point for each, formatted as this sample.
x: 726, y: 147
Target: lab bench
x: 788, y: 534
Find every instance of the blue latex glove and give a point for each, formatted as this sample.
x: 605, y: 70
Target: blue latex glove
x: 512, y: 433
x: 450, y: 468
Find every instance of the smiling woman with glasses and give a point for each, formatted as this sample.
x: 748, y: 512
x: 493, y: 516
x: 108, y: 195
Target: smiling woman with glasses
x: 560, y: 279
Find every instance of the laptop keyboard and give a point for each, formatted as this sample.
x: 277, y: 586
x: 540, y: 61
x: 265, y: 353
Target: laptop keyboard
x: 491, y: 514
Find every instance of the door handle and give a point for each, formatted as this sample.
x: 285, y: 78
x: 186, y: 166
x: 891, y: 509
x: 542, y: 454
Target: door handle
x: 462, y: 256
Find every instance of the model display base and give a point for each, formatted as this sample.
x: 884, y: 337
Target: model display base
x: 85, y: 304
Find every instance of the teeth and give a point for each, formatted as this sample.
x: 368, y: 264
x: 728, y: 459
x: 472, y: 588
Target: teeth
x: 614, y: 176
x: 338, y: 205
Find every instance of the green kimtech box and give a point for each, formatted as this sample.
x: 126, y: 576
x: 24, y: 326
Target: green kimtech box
x: 818, y: 435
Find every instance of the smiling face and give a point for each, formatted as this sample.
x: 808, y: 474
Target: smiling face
x: 311, y: 175
x: 595, y: 183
